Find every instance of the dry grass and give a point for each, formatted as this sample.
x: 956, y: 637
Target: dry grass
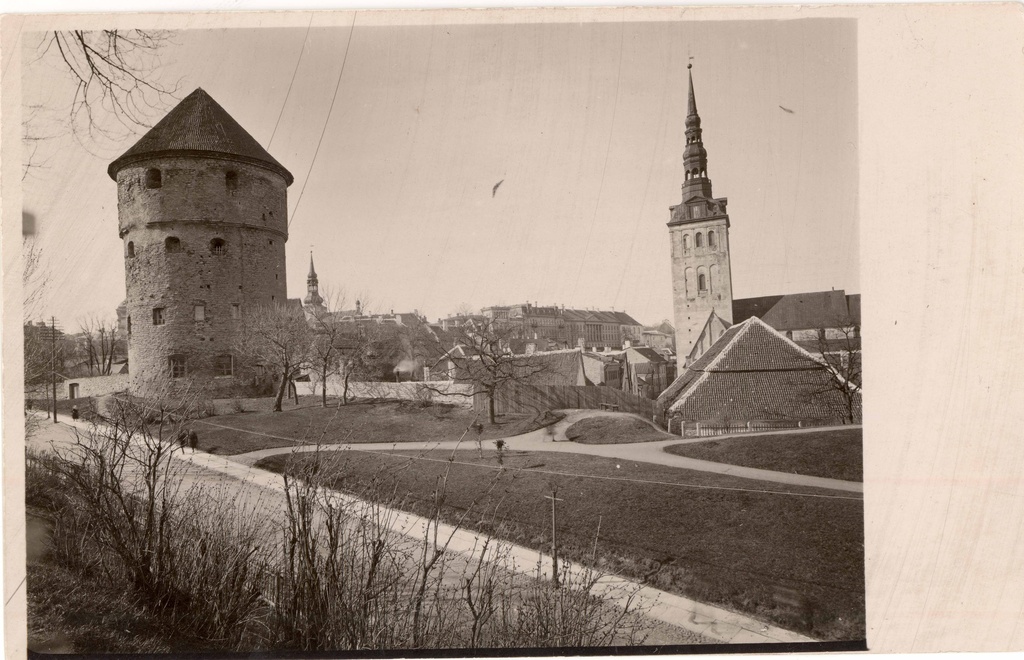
x: 835, y: 454
x: 184, y: 569
x: 725, y: 547
x: 608, y: 430
x: 386, y: 422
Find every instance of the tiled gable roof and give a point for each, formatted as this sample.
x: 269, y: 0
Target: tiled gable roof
x: 753, y: 372
x: 199, y: 125
x: 799, y: 311
x: 648, y: 354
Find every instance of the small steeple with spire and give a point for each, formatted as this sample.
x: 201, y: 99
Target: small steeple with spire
x: 312, y: 298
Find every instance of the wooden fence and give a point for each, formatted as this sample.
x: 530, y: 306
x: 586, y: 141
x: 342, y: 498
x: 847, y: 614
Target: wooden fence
x: 517, y: 398
x: 710, y: 429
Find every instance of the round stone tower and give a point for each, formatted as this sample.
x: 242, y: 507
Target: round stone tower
x: 202, y: 211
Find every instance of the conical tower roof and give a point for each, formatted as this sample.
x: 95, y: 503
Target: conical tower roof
x: 199, y: 126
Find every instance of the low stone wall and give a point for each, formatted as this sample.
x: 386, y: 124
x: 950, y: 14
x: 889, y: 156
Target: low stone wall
x: 87, y: 386
x: 436, y: 391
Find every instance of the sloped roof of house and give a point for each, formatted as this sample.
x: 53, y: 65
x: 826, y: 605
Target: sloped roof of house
x: 800, y: 311
x: 199, y: 126
x: 643, y: 353
x: 753, y: 372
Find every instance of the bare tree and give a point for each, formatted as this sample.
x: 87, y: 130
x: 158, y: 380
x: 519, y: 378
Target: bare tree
x: 277, y: 338
x: 98, y: 339
x: 836, y: 350
x: 114, y: 75
x: 483, y: 357
x: 332, y: 337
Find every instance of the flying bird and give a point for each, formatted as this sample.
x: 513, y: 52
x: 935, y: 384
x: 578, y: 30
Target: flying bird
x: 787, y: 110
x: 494, y: 190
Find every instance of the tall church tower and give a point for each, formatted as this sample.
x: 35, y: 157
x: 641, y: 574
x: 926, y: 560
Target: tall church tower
x: 202, y: 212
x: 699, y: 235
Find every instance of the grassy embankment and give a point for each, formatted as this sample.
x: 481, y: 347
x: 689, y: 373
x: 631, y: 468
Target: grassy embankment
x: 602, y: 430
x: 835, y: 454
x: 389, y: 422
x: 677, y: 530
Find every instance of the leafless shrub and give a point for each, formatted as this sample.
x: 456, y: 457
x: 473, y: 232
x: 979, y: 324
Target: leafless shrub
x: 346, y: 573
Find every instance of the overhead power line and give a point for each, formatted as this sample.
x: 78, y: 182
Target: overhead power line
x: 327, y: 120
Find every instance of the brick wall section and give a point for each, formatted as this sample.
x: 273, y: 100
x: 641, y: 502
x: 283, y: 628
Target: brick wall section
x: 196, y: 204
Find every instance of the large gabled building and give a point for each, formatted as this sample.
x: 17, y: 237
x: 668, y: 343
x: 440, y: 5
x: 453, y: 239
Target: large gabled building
x: 588, y: 329
x: 754, y: 373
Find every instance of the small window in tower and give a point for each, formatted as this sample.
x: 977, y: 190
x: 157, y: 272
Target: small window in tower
x: 218, y: 246
x: 153, y: 178
x: 131, y: 249
x: 686, y: 242
x: 200, y: 312
x: 223, y: 365
x: 702, y: 281
x: 236, y: 310
x: 271, y: 241
x: 711, y: 238
x: 699, y: 240
x: 158, y: 316
x: 129, y: 325
x: 231, y: 180
x: 172, y: 244
x: 176, y: 365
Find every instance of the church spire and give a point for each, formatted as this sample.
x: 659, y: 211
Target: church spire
x: 691, y: 109
x: 312, y: 286
x: 695, y: 157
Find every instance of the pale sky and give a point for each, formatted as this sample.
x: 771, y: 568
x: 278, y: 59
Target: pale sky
x: 583, y: 123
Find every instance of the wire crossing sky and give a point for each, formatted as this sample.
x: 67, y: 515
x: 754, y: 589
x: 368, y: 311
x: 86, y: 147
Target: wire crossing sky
x: 581, y: 123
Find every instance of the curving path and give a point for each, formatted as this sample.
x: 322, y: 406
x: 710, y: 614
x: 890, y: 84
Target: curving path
x: 553, y: 439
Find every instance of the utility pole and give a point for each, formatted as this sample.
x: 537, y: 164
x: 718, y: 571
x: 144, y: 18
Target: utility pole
x: 53, y: 364
x: 554, y: 545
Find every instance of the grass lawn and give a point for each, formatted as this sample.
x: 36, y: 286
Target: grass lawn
x: 834, y: 454
x: 387, y: 422
x: 727, y: 547
x: 613, y: 431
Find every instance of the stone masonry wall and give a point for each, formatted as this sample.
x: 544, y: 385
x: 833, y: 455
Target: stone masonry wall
x: 692, y: 307
x: 408, y: 391
x: 197, y: 203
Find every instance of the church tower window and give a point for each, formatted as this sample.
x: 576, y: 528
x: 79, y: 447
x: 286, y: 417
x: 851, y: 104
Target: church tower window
x: 172, y: 244
x: 711, y: 238
x: 699, y: 240
x: 131, y: 249
x: 231, y: 180
x: 686, y: 242
x: 153, y: 178
x: 218, y: 246
x: 702, y: 283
